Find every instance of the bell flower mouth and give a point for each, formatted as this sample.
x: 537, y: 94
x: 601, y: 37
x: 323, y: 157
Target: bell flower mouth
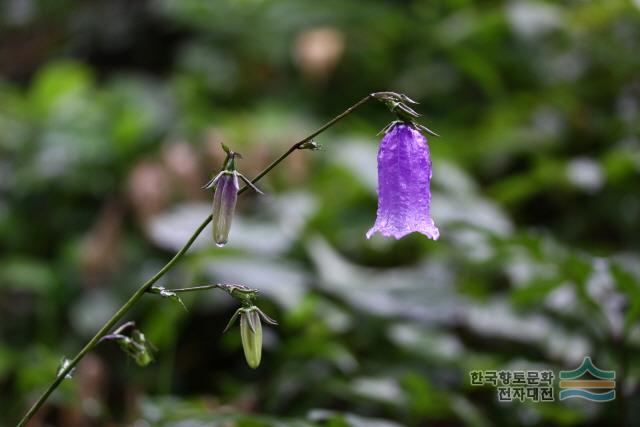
x: 432, y: 232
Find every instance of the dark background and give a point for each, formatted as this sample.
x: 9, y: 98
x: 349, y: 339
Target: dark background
x: 111, y: 115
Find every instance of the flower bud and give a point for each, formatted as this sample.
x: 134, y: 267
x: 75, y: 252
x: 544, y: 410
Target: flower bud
x: 251, y: 333
x: 226, y: 185
x: 224, y: 206
x: 135, y: 346
x: 142, y: 351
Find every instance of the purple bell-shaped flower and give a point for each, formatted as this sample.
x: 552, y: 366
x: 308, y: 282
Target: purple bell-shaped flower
x: 404, y: 177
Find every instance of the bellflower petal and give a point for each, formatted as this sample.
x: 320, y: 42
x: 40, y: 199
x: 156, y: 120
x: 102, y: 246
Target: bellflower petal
x: 404, y: 177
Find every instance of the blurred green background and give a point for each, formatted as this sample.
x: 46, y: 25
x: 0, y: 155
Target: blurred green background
x: 111, y: 115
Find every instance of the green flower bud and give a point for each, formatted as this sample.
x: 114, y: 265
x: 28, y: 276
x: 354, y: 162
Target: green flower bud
x: 143, y: 358
x: 250, y: 324
x: 135, y: 346
x: 251, y: 333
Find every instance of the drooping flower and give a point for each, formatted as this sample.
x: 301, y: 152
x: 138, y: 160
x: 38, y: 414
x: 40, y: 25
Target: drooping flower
x: 404, y: 177
x: 224, y: 206
x: 251, y: 331
x: 226, y: 185
x: 251, y: 335
x: 135, y: 345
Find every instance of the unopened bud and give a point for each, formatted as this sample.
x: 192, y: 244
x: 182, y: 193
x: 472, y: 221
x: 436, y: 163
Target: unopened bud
x: 251, y: 333
x: 141, y: 351
x: 224, y: 206
x: 226, y: 185
x: 135, y: 346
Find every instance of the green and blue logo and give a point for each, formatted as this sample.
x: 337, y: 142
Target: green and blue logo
x: 598, y: 387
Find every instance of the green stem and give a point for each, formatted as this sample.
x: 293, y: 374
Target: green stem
x: 149, y: 283
x: 196, y: 288
x: 111, y: 323
x: 297, y: 145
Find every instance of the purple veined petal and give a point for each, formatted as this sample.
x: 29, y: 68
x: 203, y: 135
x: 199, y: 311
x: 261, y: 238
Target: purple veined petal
x: 404, y: 178
x: 224, y: 206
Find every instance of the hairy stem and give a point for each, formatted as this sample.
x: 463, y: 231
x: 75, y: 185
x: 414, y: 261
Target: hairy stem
x: 149, y: 283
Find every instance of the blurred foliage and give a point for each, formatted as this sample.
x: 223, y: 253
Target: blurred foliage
x: 111, y: 115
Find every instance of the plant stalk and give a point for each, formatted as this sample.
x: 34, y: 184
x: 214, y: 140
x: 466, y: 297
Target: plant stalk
x: 149, y: 283
x: 196, y: 288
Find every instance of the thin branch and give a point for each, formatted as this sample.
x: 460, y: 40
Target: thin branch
x: 104, y: 330
x: 297, y: 145
x: 196, y: 288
